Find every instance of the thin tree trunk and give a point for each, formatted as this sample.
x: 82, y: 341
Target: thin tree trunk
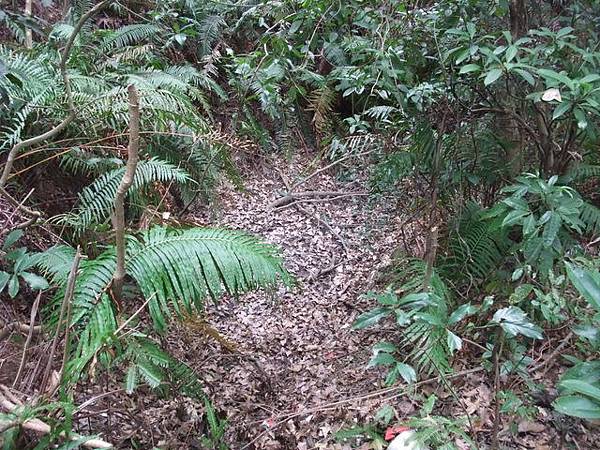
x: 28, y: 32
x: 519, y: 18
x: 126, y: 182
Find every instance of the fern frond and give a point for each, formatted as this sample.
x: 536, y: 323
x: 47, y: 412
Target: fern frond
x: 210, y: 29
x: 590, y: 215
x: 129, y: 35
x: 96, y: 200
x: 322, y: 102
x: 184, y: 267
x: 476, y: 247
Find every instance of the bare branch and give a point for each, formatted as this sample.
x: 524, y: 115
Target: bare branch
x: 66, y: 299
x: 126, y: 182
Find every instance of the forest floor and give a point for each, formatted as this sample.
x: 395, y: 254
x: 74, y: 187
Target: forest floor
x: 289, y: 371
x: 299, y: 371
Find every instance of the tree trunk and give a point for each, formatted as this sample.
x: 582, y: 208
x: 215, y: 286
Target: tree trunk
x: 126, y: 182
x: 519, y: 18
x: 28, y: 32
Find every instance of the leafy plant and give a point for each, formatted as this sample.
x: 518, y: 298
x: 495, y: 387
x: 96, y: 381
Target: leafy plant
x: 22, y: 261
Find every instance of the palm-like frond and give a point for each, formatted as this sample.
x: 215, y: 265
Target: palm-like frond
x: 210, y: 29
x: 476, y: 247
x: 322, y: 102
x: 129, y: 35
x: 176, y: 271
x: 96, y: 200
x: 184, y: 267
x: 590, y: 215
x: 423, y: 341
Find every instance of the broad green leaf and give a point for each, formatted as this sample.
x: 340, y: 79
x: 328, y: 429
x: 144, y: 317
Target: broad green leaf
x: 384, y: 347
x: 587, y: 282
x: 4, y: 277
x: 580, y: 387
x: 526, y: 76
x: 381, y: 359
x: 470, y: 68
x: 564, y: 31
x: 551, y: 229
x: 515, y: 322
x: 514, y: 217
x: 12, y: 237
x: 555, y: 76
x: 581, y: 117
x: 492, y: 76
x: 34, y: 281
x: 461, y: 312
x: 511, y: 52
x: 561, y: 109
x: 13, y: 286
x: 590, y: 78
x: 370, y: 318
x: 577, y: 406
x: 406, y: 372
x: 454, y: 342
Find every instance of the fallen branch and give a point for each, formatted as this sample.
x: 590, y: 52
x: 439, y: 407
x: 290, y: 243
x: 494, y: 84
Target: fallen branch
x: 34, y: 310
x: 327, y: 167
x: 325, y: 224
x: 324, y: 195
x: 334, y: 265
x: 39, y: 426
x: 20, y: 326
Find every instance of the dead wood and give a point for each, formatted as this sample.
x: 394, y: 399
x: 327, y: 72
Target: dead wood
x: 38, y: 425
x: 323, y: 195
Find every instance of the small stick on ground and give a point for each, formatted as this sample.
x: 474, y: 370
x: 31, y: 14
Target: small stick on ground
x: 66, y: 299
x: 34, y: 310
x: 39, y: 426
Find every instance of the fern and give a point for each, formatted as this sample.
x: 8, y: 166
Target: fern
x: 424, y: 339
x: 590, y: 215
x: 476, y: 247
x: 210, y: 29
x: 185, y: 267
x: 322, y: 102
x: 129, y: 35
x: 176, y: 271
x: 96, y: 200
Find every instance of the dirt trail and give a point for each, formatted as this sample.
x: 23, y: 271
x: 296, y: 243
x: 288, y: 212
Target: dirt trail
x: 301, y: 339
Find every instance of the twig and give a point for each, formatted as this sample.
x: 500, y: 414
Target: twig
x: 325, y: 224
x: 126, y: 182
x: 327, y: 167
x: 23, y: 327
x: 19, y: 205
x: 66, y: 299
x: 34, y: 310
x: 325, y: 196
x: 39, y: 426
x: 553, y: 355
